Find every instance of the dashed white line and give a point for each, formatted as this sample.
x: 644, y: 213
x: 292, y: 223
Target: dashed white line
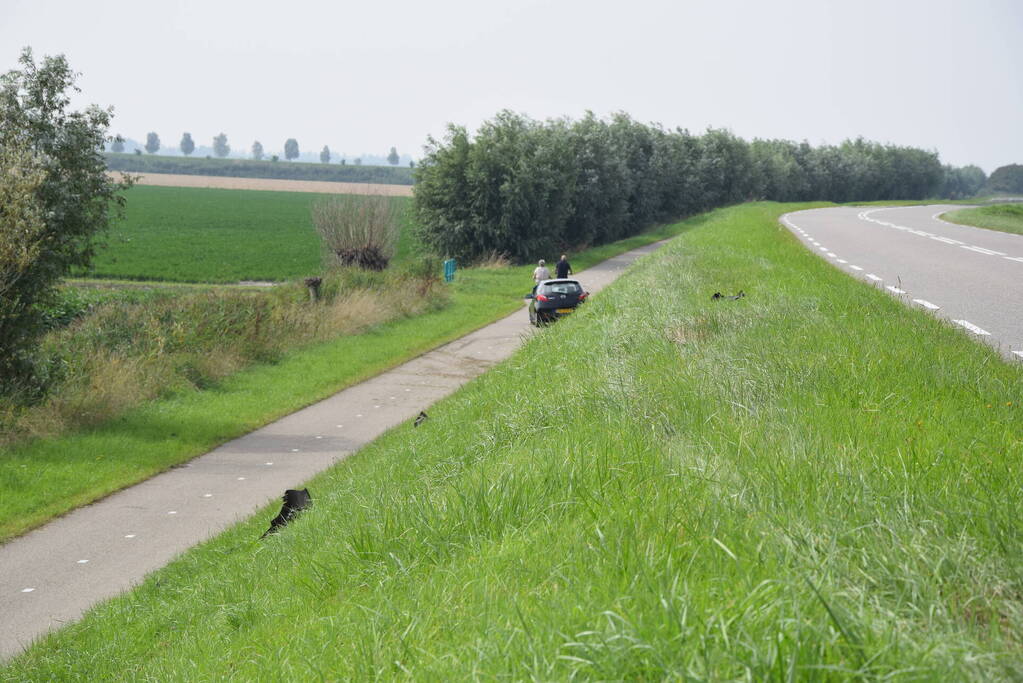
x: 269, y: 463
x: 27, y: 590
x: 1014, y: 258
x: 926, y: 304
x: 855, y: 267
x: 971, y: 327
x: 982, y: 250
x: 895, y: 290
x: 294, y: 450
x: 207, y: 495
x: 946, y: 240
x: 129, y: 535
x: 82, y: 562
x: 823, y: 248
x: 832, y: 254
x: 874, y: 277
x: 842, y: 260
x: 241, y: 478
x: 172, y: 512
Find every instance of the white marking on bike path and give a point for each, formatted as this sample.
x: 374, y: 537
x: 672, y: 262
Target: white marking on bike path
x: 926, y: 304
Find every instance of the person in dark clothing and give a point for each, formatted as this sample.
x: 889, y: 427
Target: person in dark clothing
x: 563, y: 268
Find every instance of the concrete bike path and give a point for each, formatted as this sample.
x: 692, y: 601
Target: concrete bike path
x: 52, y: 575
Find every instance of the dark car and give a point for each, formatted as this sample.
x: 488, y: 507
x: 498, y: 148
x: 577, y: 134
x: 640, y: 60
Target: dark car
x: 554, y: 299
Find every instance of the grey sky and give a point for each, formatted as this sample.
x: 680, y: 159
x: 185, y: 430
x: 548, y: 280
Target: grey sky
x: 363, y: 76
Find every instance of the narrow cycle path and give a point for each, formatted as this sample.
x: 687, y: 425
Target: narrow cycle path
x: 52, y: 575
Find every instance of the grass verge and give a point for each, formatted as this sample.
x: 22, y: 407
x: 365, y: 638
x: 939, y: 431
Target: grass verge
x: 781, y: 487
x: 1001, y: 217
x: 48, y: 477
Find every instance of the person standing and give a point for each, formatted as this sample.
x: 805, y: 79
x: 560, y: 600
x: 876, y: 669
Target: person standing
x: 540, y: 273
x: 563, y: 268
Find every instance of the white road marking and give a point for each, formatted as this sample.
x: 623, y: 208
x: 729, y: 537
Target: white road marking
x: 319, y: 437
x: 27, y: 590
x: 842, y: 260
x: 832, y: 254
x: 855, y: 267
x: 946, y: 240
x: 129, y: 535
x: 1019, y: 353
x: 822, y: 248
x: 874, y: 277
x: 294, y: 450
x: 982, y: 250
x: 83, y: 561
x: 359, y: 415
x: 926, y: 304
x: 207, y: 495
x: 971, y: 327
x: 340, y: 426
x: 408, y: 390
x: 172, y: 512
x: 269, y: 463
x: 1014, y: 258
x: 895, y: 290
x: 241, y: 478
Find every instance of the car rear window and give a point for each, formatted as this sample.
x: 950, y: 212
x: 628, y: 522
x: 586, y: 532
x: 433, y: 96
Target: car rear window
x: 561, y: 288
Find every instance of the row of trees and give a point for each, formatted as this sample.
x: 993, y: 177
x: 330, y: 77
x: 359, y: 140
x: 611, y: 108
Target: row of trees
x: 222, y: 149
x: 524, y: 187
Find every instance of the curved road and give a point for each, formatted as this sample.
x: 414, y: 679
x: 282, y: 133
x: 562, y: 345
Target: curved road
x: 53, y: 574
x: 969, y: 276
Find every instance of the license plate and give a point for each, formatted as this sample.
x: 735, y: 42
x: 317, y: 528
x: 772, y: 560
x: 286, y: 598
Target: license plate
x: 563, y: 311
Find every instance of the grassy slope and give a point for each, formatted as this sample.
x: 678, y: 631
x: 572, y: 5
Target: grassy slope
x: 780, y: 487
x: 1002, y: 217
x: 46, y: 478
x: 209, y: 235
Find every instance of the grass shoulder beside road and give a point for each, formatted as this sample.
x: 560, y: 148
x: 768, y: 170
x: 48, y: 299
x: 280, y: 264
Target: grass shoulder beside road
x: 48, y: 477
x: 782, y: 486
x: 1001, y: 217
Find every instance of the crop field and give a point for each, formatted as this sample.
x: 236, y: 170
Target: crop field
x: 250, y: 168
x: 776, y: 488
x: 1002, y: 217
x: 220, y: 236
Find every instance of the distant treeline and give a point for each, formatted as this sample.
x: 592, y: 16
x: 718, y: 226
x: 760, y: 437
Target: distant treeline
x: 529, y: 188
x: 250, y: 168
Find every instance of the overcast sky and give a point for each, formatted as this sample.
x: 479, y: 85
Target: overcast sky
x: 364, y: 76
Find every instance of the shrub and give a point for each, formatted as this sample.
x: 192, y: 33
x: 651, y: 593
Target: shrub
x: 360, y: 231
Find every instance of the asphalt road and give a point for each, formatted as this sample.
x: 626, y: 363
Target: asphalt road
x: 969, y: 276
x: 52, y: 575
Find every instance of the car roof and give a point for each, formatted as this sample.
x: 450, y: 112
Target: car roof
x: 556, y: 281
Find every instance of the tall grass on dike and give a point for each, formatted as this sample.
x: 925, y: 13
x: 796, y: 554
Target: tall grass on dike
x: 357, y: 230
x: 780, y: 487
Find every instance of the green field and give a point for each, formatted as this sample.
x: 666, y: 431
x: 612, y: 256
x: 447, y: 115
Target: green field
x: 250, y: 168
x: 777, y: 488
x: 210, y: 235
x: 1002, y: 217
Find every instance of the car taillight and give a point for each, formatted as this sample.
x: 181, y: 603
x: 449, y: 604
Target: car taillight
x: 583, y: 295
x: 541, y: 297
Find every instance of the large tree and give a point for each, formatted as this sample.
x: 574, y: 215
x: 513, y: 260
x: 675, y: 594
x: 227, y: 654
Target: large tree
x: 187, y: 144
x: 117, y: 144
x: 152, y: 143
x: 58, y: 197
x: 220, y: 146
x: 325, y: 154
x: 257, y: 150
x: 393, y: 157
x: 291, y: 149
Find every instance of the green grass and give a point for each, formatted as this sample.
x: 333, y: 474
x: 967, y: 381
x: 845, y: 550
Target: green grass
x: 209, y: 235
x: 781, y: 487
x: 45, y: 478
x: 1002, y: 217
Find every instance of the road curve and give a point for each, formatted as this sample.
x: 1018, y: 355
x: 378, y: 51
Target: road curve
x: 52, y: 575
x: 969, y: 276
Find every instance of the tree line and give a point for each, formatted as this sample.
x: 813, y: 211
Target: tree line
x: 525, y: 187
x: 221, y: 149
